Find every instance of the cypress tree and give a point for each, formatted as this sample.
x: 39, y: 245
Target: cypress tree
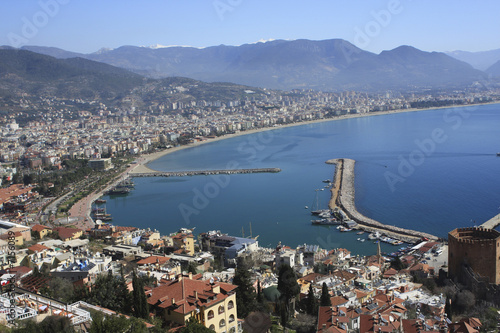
x: 325, y: 296
x: 260, y: 297
x: 139, y: 298
x: 311, y: 302
x: 245, y: 296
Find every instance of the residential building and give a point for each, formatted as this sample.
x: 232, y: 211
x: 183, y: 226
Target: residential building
x: 212, y: 303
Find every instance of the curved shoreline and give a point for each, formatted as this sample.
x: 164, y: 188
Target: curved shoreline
x: 83, y: 207
x: 343, y: 197
x: 146, y: 159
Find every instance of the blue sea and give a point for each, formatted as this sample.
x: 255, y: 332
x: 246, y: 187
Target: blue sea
x: 432, y: 170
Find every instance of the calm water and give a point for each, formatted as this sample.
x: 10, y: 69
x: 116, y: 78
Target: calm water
x: 431, y: 170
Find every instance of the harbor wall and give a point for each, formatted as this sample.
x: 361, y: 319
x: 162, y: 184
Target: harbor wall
x: 345, y: 201
x: 202, y: 172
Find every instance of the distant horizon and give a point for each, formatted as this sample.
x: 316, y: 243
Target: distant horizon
x: 374, y: 26
x: 160, y: 46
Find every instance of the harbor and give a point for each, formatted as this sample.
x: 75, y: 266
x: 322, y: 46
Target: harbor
x: 342, y: 199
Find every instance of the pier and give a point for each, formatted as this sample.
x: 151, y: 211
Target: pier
x: 343, y: 198
x: 202, y: 172
x: 492, y: 223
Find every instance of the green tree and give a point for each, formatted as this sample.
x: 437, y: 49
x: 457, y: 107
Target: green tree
x: 325, y: 299
x: 311, y: 302
x: 287, y: 283
x: 397, y: 264
x: 112, y: 324
x: 111, y: 292
x: 51, y: 324
x: 194, y: 326
x: 191, y: 268
x: 141, y: 306
x: 61, y: 289
x: 245, y: 297
x: 289, y: 289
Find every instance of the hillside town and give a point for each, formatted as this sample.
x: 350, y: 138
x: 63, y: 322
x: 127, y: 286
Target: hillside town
x: 55, y: 263
x: 42, y: 132
x: 197, y: 276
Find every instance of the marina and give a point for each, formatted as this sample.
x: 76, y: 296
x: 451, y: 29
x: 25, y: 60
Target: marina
x: 275, y: 202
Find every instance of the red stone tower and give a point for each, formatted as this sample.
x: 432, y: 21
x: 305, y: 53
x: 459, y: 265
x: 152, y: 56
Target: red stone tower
x: 477, y: 247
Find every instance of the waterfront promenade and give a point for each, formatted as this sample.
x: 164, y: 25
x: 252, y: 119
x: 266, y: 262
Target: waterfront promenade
x: 343, y: 197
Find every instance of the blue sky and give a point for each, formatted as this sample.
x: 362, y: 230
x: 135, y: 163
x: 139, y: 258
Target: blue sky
x: 88, y: 25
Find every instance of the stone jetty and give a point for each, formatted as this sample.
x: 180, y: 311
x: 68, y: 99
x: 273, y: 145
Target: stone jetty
x: 343, y: 197
x: 202, y: 172
x: 492, y: 223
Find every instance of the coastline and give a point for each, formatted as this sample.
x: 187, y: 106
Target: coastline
x: 145, y: 159
x: 83, y: 207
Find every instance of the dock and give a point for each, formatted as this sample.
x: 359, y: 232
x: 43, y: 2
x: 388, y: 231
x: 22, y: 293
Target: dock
x: 343, y: 198
x: 202, y: 172
x: 492, y: 223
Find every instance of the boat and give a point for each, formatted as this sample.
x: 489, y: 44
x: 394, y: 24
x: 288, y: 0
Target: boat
x: 374, y: 235
x: 362, y: 240
x: 118, y: 190
x: 320, y: 211
x: 126, y: 183
x: 324, y: 222
x: 325, y: 215
x: 100, y: 201
x: 498, y: 154
x: 315, y: 206
x: 344, y: 229
x: 306, y: 207
x: 327, y: 181
x: 360, y: 232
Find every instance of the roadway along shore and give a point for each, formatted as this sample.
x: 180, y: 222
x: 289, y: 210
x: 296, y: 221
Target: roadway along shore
x: 82, y: 208
x: 343, y: 197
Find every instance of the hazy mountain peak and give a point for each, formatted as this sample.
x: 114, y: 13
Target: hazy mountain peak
x: 103, y: 50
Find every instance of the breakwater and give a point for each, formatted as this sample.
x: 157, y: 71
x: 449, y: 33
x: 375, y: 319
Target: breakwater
x: 202, y: 172
x: 492, y: 223
x: 343, y: 197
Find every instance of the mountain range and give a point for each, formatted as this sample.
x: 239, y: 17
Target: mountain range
x: 480, y: 60
x: 28, y: 74
x: 330, y: 65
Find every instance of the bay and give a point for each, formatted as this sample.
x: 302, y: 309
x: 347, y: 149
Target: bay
x: 432, y: 170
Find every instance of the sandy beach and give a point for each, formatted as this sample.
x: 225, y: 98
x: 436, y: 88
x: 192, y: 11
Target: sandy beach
x: 145, y: 159
x: 82, y: 208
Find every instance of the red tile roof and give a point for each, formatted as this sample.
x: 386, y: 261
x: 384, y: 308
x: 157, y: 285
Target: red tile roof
x: 66, y: 233
x: 126, y: 228
x: 39, y: 227
x: 312, y: 277
x: 38, y: 248
x: 153, y: 260
x: 374, y: 323
x: 179, y: 295
x: 331, y: 320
